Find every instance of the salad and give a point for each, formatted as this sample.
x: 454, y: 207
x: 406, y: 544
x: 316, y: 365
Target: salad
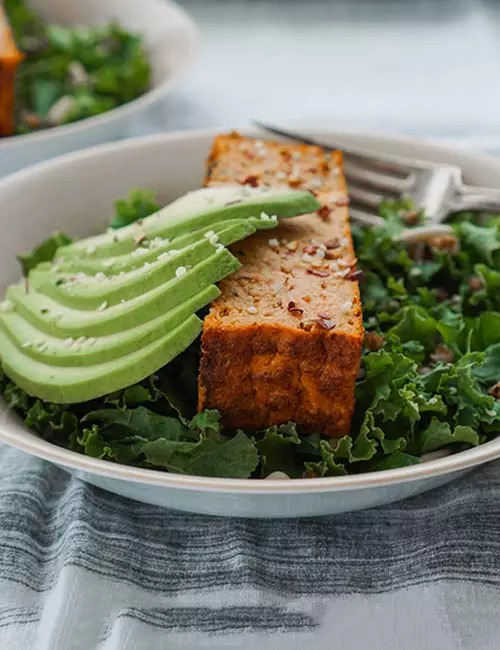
x: 429, y: 381
x: 71, y: 73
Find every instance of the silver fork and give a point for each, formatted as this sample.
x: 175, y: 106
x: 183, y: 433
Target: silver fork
x: 437, y: 190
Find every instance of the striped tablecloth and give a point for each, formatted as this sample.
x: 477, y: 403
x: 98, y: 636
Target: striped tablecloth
x: 81, y: 569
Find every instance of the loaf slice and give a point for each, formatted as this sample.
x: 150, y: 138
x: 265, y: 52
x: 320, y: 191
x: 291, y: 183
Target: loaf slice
x: 283, y: 342
x: 10, y: 57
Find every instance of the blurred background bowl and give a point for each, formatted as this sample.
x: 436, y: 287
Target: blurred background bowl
x: 170, y: 38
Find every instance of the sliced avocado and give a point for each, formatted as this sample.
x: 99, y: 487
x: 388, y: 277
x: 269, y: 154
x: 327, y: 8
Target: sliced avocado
x: 196, y: 210
x: 68, y: 385
x: 113, y: 309
x: 88, y: 292
x: 60, y: 321
x: 85, y: 351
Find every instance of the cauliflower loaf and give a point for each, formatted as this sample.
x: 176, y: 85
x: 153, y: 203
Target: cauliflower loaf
x: 10, y: 57
x: 283, y: 341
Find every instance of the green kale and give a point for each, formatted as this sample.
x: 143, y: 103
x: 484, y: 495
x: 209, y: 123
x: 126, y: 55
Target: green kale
x: 427, y: 385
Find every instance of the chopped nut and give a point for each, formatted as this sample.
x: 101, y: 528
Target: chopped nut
x: 285, y: 268
x: 495, y: 390
x: 317, y: 264
x: 252, y: 310
x: 355, y: 275
x: 292, y: 245
x: 447, y: 243
x: 325, y: 323
x: 320, y: 274
x: 306, y: 298
x: 443, y: 353
x: 333, y: 254
x: 475, y: 283
x: 293, y: 309
x: 412, y: 217
x: 324, y: 212
x: 294, y: 182
x: 273, y: 243
x: 374, y: 341
x: 251, y: 180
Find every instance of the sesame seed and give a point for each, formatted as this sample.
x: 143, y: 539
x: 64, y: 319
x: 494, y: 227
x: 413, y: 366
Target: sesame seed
x: 273, y: 243
x: 91, y: 250
x: 346, y: 306
x: 102, y: 306
x: 274, y: 217
x: 180, y: 271
x: 214, y: 239
x: 252, y: 310
x: 6, y: 305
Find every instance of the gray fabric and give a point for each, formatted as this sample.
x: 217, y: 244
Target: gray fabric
x: 81, y: 569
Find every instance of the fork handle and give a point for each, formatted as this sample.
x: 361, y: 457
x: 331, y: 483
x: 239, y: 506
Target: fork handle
x: 486, y: 199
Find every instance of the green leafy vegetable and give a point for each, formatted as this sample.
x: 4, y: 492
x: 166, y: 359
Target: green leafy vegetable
x: 90, y: 69
x: 138, y: 204
x: 44, y: 252
x: 428, y: 386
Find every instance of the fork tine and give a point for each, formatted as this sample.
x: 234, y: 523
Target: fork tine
x: 368, y: 158
x: 364, y: 218
x: 365, y: 197
x: 357, y: 175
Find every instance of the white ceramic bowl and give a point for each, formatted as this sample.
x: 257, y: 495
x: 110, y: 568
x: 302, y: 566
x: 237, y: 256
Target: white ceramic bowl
x: 75, y: 193
x: 170, y: 38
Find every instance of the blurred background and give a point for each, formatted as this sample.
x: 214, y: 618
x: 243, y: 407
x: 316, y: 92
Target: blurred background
x: 427, y: 67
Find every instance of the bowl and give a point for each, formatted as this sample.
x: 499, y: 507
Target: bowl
x: 75, y: 193
x: 170, y: 38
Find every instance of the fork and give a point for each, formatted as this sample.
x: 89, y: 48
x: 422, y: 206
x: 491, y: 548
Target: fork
x: 437, y: 190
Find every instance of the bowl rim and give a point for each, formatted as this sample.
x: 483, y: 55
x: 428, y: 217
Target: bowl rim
x: 39, y: 447
x: 148, y: 98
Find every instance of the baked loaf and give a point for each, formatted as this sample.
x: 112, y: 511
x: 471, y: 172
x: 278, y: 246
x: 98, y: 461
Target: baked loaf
x: 283, y: 341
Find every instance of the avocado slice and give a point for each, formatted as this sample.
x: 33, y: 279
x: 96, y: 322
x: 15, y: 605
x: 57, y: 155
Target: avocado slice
x: 114, y: 308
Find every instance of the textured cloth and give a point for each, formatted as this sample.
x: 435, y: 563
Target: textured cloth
x: 81, y: 569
